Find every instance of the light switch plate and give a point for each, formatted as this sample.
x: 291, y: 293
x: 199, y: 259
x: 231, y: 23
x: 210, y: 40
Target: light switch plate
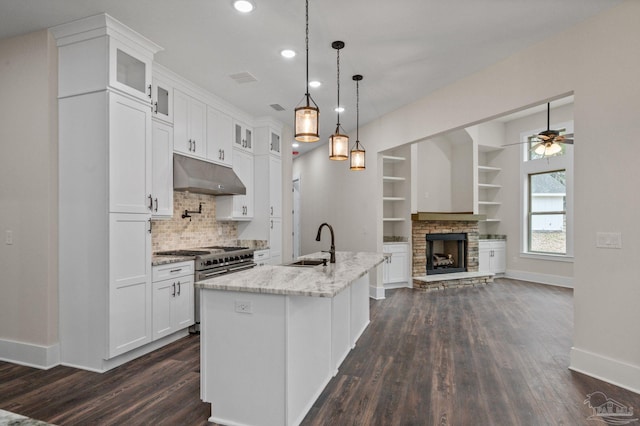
x: 610, y: 240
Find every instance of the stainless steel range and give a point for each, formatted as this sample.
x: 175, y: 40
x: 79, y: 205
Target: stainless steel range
x: 212, y: 262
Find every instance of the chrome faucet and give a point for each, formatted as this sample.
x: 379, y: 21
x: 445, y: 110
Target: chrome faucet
x: 333, y: 242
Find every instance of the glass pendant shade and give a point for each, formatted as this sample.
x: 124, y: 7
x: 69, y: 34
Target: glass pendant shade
x: 306, y: 121
x: 338, y: 146
x: 547, y: 149
x: 357, y: 157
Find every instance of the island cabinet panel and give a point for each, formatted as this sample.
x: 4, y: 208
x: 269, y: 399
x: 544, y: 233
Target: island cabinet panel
x: 278, y: 356
x: 359, y: 311
x: 340, y: 328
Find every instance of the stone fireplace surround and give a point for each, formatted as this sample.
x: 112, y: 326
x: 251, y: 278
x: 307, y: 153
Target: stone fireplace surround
x: 441, y: 223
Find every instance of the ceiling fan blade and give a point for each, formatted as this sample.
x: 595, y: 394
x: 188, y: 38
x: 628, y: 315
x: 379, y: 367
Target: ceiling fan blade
x: 568, y: 141
x: 568, y: 135
x: 516, y: 143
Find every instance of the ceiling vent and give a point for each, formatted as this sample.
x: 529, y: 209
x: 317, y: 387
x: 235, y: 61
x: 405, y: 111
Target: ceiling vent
x: 243, y: 77
x: 277, y: 107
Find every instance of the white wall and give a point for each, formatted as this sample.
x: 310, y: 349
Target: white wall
x: 607, y: 101
x: 28, y: 199
x: 435, y: 158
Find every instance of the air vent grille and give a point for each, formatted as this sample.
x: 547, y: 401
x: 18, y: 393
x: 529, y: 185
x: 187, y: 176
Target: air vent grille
x: 277, y: 107
x: 243, y: 77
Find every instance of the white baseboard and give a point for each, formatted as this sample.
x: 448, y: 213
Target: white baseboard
x: 609, y: 370
x: 29, y: 354
x: 376, y: 293
x: 556, y: 280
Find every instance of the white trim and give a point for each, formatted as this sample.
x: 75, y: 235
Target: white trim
x: 29, y: 354
x: 376, y: 293
x: 555, y: 280
x: 547, y: 256
x: 607, y: 369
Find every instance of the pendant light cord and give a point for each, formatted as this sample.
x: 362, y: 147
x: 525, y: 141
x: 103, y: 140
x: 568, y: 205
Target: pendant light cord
x: 306, y: 42
x: 338, y: 108
x: 357, y: 112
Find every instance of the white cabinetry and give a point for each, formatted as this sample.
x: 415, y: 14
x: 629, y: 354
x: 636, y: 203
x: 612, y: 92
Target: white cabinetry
x: 162, y: 170
x: 242, y: 136
x: 129, y: 283
x: 275, y: 240
x: 492, y: 256
x: 129, y: 155
x: 261, y: 257
x: 173, y: 298
x: 219, y: 137
x: 189, y: 125
x: 104, y: 110
x: 162, y: 99
x: 238, y: 207
x: 396, y: 265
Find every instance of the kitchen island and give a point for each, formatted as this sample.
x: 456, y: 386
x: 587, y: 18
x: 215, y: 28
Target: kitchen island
x: 272, y: 337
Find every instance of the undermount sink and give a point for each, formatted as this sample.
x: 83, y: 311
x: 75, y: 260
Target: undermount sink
x: 308, y: 262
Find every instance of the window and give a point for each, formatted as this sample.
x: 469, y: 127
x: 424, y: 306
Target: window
x: 547, y: 200
x: 547, y: 224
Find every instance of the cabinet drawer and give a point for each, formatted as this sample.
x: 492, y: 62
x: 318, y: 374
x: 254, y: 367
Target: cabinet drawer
x: 171, y: 270
x: 395, y: 248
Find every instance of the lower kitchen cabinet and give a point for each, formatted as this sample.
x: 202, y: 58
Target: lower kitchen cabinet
x: 492, y: 256
x: 396, y: 265
x: 173, y: 298
x: 261, y: 257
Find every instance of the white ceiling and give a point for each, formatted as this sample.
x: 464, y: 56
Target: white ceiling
x: 405, y: 49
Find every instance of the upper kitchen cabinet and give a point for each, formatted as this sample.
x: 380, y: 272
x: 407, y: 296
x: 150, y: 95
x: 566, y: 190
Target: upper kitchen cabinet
x: 99, y: 52
x: 189, y: 125
x: 162, y: 170
x: 242, y: 136
x: 239, y: 207
x: 129, y: 155
x: 219, y: 137
x: 162, y: 99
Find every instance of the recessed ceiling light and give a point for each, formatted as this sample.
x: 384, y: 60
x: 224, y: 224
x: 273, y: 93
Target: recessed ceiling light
x: 315, y: 84
x: 339, y: 109
x: 288, y: 53
x: 295, y: 144
x: 244, y: 6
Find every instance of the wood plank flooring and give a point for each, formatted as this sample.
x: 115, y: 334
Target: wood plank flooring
x: 494, y: 355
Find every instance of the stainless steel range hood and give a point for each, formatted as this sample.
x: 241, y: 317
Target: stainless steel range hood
x: 201, y: 177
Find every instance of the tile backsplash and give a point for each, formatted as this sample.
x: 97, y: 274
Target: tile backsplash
x: 202, y: 230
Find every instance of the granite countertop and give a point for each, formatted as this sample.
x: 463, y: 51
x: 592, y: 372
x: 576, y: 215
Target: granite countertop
x: 318, y: 281
x: 492, y: 237
x: 13, y: 419
x: 157, y: 260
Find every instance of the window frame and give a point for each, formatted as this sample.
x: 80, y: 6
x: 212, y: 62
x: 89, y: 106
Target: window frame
x: 545, y: 165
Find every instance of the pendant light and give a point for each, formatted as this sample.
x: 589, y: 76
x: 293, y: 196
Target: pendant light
x: 307, y: 117
x: 357, y: 152
x: 338, y: 142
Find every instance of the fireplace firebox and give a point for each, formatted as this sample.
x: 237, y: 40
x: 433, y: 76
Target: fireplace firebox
x: 446, y: 253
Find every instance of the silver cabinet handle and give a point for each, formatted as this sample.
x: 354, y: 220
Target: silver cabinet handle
x: 175, y: 270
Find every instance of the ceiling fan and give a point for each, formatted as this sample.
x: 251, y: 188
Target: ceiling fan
x: 548, y: 141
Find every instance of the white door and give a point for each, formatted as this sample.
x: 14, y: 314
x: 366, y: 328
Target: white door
x: 275, y: 187
x: 129, y: 282
x: 183, y: 308
x: 219, y: 137
x: 162, y: 170
x: 163, y: 295
x: 129, y: 155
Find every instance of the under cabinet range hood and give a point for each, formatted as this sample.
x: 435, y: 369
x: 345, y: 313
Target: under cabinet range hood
x: 201, y: 177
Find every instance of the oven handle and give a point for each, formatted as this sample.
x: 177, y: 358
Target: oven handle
x: 212, y: 274
x: 239, y: 268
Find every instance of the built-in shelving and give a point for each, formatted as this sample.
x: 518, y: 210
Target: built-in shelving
x: 488, y: 183
x: 395, y: 195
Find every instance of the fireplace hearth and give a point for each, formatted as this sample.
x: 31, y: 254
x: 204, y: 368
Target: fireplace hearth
x: 446, y: 253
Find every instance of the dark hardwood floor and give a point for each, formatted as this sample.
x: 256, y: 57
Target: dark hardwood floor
x: 494, y: 355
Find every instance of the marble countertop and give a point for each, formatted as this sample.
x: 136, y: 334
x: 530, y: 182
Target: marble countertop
x: 13, y: 419
x: 157, y: 260
x: 318, y: 281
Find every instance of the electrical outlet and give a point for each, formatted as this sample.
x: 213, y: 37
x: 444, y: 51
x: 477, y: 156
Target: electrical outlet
x: 244, y: 307
x: 9, y: 237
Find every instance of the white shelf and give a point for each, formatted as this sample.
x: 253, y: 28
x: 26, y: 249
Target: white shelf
x: 489, y: 203
x: 489, y: 186
x: 492, y: 220
x: 393, y: 219
x: 393, y: 199
x: 392, y: 159
x: 487, y: 169
x: 393, y: 179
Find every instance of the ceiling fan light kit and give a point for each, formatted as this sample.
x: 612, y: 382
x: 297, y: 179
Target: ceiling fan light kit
x: 548, y: 141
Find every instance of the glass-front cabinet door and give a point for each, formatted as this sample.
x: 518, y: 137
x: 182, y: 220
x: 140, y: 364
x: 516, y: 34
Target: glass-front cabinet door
x: 130, y: 70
